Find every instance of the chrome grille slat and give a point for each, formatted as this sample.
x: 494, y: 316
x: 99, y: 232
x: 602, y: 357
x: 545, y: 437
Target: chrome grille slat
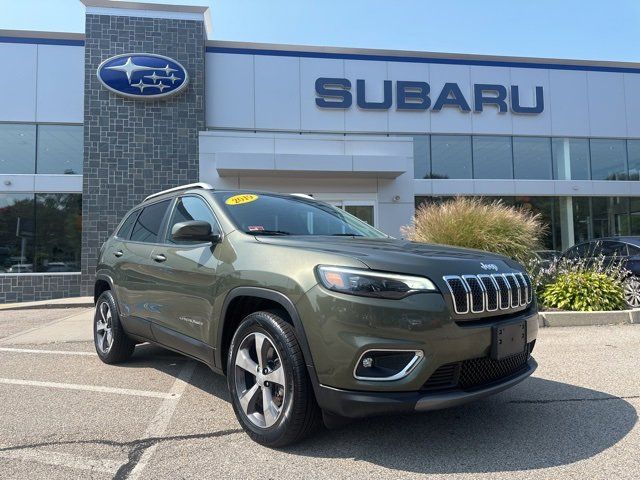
x: 473, y: 294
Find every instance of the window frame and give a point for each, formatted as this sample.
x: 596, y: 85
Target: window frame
x: 171, y: 209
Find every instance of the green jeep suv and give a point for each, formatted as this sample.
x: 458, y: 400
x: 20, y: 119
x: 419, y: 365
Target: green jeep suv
x: 310, y: 313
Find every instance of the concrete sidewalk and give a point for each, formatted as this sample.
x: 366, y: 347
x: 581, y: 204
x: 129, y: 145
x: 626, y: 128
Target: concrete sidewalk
x: 54, y: 303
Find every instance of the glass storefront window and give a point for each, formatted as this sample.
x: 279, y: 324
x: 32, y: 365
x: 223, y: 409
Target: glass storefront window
x: 572, y: 220
x: 532, y: 158
x: 40, y: 233
x: 58, y: 231
x: 421, y: 157
x: 451, y: 156
x: 492, y: 157
x: 16, y: 233
x: 633, y: 150
x: 60, y: 149
x: 634, y: 216
x: 18, y: 152
x: 571, y: 159
x: 608, y: 159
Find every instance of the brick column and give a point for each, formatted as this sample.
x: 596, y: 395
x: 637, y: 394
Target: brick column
x: 136, y: 147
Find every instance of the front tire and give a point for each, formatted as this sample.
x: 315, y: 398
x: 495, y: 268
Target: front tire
x: 111, y: 342
x: 270, y: 389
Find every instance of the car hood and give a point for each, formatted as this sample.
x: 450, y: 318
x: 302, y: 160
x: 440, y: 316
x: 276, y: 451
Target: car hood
x: 403, y: 256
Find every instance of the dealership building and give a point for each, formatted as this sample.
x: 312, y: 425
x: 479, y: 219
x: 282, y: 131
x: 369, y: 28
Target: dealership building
x: 374, y: 132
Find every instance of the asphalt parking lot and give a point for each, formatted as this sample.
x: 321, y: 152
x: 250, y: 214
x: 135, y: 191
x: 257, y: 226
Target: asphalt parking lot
x: 64, y: 414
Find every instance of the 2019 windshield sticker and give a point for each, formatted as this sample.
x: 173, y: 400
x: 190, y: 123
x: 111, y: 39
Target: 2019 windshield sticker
x: 241, y: 199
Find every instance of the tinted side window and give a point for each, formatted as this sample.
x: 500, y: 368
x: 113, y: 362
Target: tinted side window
x: 578, y: 251
x: 614, y: 249
x: 127, y: 226
x: 148, y: 225
x: 191, y: 208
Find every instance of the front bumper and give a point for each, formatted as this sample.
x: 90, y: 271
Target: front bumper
x: 340, y: 328
x: 352, y: 404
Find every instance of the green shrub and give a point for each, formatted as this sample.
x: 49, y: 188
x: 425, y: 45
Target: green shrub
x: 472, y: 222
x: 556, y: 283
x: 583, y: 291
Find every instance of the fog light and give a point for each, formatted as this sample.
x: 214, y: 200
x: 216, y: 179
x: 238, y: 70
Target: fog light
x: 367, y: 362
x: 386, y: 365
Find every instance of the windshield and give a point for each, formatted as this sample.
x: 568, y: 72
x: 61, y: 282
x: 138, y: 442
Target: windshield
x: 271, y: 214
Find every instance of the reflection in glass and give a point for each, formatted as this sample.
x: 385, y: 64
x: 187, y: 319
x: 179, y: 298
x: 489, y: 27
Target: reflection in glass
x: 60, y: 149
x: 17, y: 148
x: 16, y: 233
x: 608, y: 159
x: 633, y: 148
x: 58, y: 232
x: 421, y: 157
x: 571, y: 159
x: 532, y: 158
x: 451, y: 156
x: 492, y: 157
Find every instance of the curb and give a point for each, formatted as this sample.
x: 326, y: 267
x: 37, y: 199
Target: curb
x: 73, y: 302
x: 585, y: 319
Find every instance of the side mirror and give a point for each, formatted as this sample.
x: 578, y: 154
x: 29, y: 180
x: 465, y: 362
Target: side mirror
x: 194, y: 231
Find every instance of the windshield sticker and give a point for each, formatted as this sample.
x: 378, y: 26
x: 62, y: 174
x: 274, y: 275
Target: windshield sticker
x: 241, y: 199
x: 255, y: 228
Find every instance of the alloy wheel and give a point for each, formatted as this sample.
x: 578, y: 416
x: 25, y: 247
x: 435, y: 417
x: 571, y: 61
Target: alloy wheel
x: 260, y: 380
x: 632, y: 292
x: 104, y: 328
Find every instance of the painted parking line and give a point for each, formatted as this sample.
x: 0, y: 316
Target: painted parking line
x: 92, y: 388
x: 161, y: 419
x: 50, y: 352
x: 59, y: 459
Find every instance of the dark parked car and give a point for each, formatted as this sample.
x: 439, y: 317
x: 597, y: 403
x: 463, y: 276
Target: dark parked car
x: 311, y: 313
x: 547, y: 257
x: 624, y: 249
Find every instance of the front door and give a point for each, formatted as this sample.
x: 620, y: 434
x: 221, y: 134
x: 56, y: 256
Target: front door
x: 185, y: 274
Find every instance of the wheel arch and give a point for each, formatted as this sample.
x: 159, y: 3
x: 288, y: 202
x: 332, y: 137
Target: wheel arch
x: 102, y: 283
x: 275, y: 298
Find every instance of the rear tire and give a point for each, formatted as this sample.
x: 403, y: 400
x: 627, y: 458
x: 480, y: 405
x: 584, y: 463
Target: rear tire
x: 631, y: 288
x: 112, y: 343
x: 265, y: 366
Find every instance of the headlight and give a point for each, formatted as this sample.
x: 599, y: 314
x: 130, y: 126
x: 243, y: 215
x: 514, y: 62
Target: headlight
x: 367, y: 283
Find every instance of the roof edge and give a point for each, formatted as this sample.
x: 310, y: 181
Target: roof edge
x: 345, y: 51
x: 42, y: 34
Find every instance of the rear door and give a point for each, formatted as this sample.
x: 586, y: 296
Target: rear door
x: 185, y: 275
x: 137, y: 289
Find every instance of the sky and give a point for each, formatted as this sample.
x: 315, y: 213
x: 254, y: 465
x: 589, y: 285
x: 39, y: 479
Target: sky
x: 570, y: 29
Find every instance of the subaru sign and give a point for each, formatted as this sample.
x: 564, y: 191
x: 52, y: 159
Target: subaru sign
x: 142, y: 75
x: 416, y: 96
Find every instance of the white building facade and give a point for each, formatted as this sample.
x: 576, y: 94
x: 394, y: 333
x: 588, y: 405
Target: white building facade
x: 374, y: 132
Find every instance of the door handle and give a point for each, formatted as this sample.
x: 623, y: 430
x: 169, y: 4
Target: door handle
x: 118, y: 253
x: 159, y: 258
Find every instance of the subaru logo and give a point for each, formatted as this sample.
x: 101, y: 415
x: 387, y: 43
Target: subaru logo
x: 142, y: 75
x: 489, y: 266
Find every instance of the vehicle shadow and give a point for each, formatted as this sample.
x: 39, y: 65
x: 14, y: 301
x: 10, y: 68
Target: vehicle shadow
x: 537, y: 424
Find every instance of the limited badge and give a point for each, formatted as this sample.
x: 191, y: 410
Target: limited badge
x: 240, y: 199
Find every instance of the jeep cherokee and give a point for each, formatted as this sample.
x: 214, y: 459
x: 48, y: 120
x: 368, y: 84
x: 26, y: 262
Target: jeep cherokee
x: 310, y: 313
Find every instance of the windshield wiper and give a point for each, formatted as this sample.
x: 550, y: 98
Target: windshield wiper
x: 346, y: 235
x: 267, y: 232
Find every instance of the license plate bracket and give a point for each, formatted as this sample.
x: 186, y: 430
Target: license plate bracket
x: 508, y: 339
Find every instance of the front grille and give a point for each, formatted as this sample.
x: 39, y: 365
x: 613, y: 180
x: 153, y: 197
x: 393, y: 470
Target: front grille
x: 473, y: 294
x: 477, y: 372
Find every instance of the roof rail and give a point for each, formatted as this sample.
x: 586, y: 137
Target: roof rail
x: 203, y: 185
